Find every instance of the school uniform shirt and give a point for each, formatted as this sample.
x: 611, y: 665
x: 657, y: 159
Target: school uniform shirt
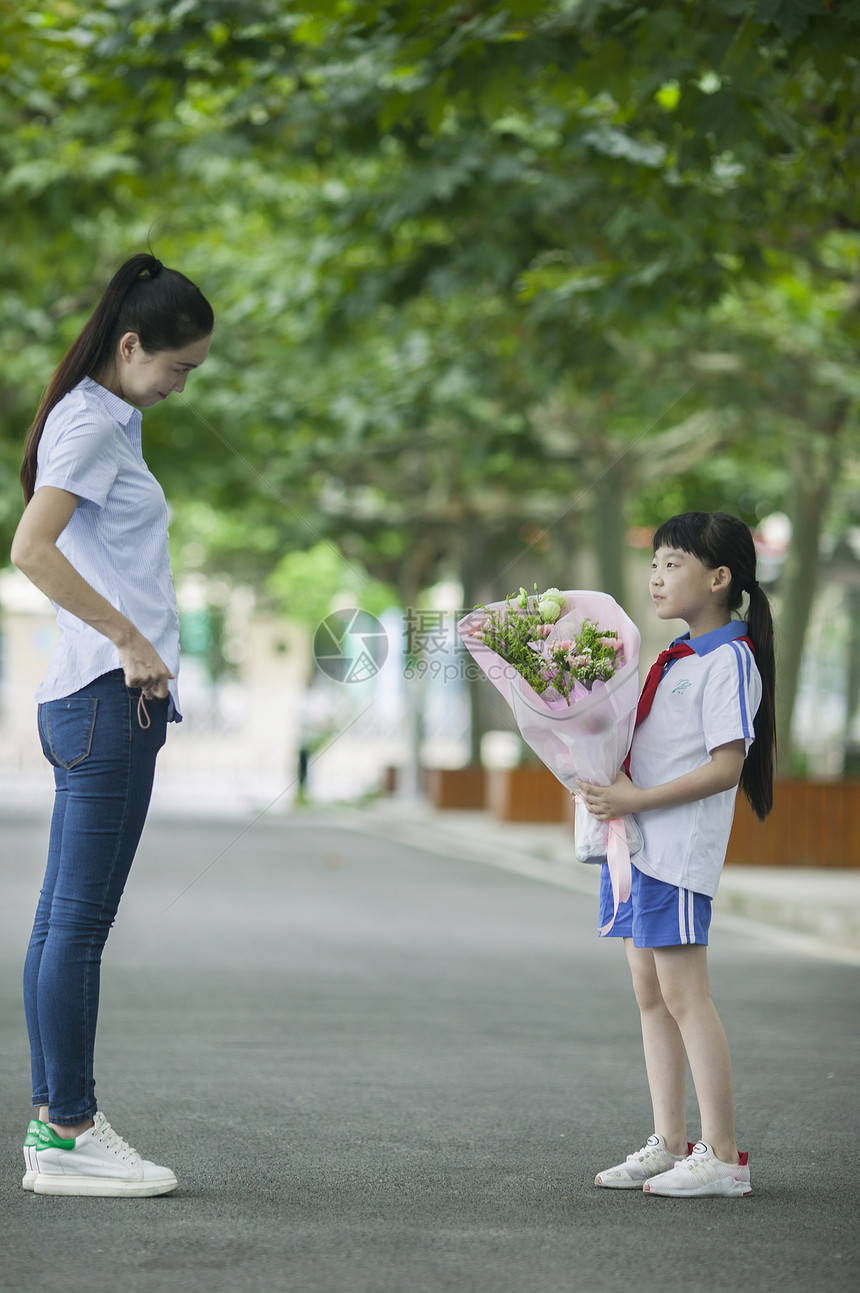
x: 116, y: 539
x: 703, y: 700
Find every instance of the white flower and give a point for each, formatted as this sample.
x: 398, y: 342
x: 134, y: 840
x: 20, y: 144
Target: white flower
x: 549, y: 609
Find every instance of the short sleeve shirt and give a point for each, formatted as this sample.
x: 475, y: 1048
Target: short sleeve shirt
x: 703, y: 700
x: 117, y: 538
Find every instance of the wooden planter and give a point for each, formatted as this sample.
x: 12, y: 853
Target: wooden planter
x: 388, y: 779
x: 456, y: 787
x: 813, y: 823
x: 526, y: 794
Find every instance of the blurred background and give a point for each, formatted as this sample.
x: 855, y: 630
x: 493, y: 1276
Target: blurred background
x: 498, y: 288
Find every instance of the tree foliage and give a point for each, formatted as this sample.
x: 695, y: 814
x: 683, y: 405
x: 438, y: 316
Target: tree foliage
x: 492, y: 282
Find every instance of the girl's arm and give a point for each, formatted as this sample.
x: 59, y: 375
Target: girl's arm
x: 721, y: 773
x: 35, y: 553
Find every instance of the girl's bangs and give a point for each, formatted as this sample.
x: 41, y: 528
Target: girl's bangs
x: 682, y: 532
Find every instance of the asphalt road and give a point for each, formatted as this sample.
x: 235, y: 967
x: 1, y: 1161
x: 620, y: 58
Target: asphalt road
x: 380, y: 1069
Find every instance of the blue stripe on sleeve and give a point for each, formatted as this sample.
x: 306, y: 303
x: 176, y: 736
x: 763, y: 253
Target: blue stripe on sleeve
x: 744, y: 663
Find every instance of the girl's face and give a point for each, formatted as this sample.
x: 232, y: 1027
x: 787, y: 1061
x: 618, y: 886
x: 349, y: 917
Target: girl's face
x: 143, y: 378
x: 684, y: 588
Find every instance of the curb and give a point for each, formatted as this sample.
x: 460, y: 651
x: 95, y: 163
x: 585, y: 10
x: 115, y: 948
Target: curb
x: 812, y: 911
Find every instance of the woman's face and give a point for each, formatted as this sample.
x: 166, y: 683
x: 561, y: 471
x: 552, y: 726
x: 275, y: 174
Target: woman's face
x: 142, y: 378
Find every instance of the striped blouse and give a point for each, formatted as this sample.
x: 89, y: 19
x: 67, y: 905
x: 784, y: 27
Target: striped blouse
x: 117, y: 536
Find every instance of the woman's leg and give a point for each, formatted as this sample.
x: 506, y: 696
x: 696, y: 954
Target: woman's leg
x: 107, y: 785
x: 682, y: 973
x: 41, y: 925
x: 665, y: 1060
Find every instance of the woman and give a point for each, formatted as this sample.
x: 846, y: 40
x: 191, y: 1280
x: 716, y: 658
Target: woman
x: 93, y: 537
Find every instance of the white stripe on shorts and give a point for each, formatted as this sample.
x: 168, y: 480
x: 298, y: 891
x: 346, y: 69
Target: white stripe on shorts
x: 686, y: 915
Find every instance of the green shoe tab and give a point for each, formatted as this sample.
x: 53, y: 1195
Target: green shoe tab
x: 48, y: 1139
x: 32, y: 1137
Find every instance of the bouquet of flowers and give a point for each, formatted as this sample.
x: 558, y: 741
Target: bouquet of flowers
x: 567, y: 664
x: 554, y: 667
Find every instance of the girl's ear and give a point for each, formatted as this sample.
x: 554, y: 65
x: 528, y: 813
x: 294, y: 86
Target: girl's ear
x: 721, y: 578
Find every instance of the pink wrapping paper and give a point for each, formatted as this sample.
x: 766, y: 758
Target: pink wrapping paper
x: 585, y: 740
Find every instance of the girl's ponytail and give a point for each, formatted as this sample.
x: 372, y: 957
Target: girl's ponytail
x: 161, y: 305
x: 757, y: 775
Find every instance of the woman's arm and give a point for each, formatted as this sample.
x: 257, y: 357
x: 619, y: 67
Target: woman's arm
x: 721, y: 773
x: 35, y: 553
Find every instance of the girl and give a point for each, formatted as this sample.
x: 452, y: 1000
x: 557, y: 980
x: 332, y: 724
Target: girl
x: 93, y: 537
x: 705, y: 722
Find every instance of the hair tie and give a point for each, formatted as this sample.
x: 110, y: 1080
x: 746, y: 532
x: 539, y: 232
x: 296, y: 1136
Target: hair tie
x: 155, y: 269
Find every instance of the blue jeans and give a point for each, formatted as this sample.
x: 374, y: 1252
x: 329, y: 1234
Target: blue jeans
x: 104, y: 765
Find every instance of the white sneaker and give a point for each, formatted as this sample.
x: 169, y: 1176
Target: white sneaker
x: 702, y: 1173
x: 98, y: 1162
x: 632, y: 1174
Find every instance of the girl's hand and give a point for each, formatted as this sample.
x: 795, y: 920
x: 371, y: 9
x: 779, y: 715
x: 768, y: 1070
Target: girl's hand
x: 607, y: 802
x: 721, y: 772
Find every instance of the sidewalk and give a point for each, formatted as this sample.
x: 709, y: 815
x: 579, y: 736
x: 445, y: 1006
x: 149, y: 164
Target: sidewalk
x: 811, y: 910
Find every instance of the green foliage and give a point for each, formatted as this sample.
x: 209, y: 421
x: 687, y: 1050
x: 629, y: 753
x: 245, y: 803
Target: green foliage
x: 511, y: 632
x: 592, y: 657
x: 307, y: 586
x: 490, y: 280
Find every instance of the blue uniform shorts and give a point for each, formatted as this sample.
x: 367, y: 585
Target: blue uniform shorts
x: 656, y: 914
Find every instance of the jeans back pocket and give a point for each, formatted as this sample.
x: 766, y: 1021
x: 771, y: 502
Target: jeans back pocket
x: 66, y: 729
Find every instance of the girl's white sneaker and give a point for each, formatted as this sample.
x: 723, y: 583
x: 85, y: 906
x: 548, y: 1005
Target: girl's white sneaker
x: 98, y: 1162
x: 702, y: 1173
x: 632, y: 1174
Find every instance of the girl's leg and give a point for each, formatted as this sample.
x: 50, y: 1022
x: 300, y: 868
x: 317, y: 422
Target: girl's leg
x: 684, y: 982
x: 107, y: 791
x: 665, y: 1060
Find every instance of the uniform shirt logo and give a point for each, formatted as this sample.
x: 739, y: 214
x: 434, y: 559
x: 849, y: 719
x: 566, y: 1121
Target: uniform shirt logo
x: 682, y: 686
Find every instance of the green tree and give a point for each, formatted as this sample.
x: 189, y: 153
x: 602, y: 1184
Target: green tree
x: 458, y: 252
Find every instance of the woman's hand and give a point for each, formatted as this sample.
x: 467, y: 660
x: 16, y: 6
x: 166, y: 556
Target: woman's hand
x: 607, y: 802
x: 143, y: 667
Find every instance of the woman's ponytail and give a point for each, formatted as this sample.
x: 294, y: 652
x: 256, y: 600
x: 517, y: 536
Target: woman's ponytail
x: 161, y: 305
